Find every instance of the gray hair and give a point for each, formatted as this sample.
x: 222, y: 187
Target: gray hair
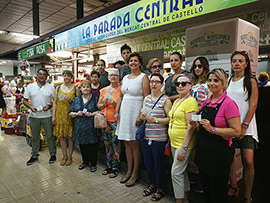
x: 113, y: 70
x: 188, y: 75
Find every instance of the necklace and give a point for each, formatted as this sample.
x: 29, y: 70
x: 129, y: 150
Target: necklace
x: 176, y: 107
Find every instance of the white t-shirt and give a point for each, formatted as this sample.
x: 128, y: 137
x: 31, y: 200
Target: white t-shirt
x: 40, y: 97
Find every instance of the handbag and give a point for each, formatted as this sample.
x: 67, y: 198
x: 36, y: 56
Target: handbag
x: 100, y: 120
x: 140, y: 132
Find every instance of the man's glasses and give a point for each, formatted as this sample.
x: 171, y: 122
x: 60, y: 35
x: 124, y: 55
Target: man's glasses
x: 183, y: 84
x: 155, y: 82
x: 199, y: 66
x: 156, y: 66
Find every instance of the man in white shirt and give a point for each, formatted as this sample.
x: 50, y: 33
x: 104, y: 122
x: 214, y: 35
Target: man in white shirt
x: 41, y: 95
x: 13, y: 83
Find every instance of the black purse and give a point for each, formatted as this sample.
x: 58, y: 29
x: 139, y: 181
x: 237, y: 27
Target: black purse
x: 140, y: 133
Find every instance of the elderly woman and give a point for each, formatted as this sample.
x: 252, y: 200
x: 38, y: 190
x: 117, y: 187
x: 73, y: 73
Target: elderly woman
x: 154, y: 65
x: 63, y: 127
x: 107, y: 103
x: 83, y: 110
x: 243, y: 89
x: 156, y: 136
x: 180, y: 132
x: 135, y: 87
x: 220, y: 122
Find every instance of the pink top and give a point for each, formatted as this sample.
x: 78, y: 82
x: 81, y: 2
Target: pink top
x: 228, y: 109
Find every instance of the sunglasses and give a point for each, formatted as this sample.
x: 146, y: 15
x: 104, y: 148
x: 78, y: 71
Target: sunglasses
x: 199, y: 66
x: 156, y: 66
x: 183, y: 84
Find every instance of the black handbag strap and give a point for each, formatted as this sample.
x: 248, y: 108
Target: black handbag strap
x: 154, y: 105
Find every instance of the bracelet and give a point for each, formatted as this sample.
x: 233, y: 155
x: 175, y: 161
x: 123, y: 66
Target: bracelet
x: 116, y: 113
x: 246, y: 124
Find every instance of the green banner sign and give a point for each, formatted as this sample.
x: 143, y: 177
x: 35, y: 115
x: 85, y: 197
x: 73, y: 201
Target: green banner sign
x: 139, y: 16
x: 36, y: 50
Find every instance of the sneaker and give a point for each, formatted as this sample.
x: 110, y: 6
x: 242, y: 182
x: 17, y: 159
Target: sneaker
x: 31, y: 161
x: 93, y: 169
x: 52, y: 159
x: 198, y: 187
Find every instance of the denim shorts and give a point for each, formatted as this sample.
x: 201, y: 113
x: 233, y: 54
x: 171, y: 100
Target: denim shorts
x: 248, y: 142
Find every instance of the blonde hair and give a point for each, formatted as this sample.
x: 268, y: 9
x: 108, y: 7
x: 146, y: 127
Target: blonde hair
x: 151, y: 61
x: 263, y: 76
x: 221, y: 75
x: 85, y: 82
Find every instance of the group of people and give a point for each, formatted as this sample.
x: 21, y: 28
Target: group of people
x: 200, y: 111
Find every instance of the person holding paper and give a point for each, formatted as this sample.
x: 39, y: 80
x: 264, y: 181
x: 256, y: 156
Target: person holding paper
x: 134, y: 88
x: 107, y: 102
x: 180, y: 133
x: 156, y: 136
x: 41, y: 95
x: 243, y: 89
x: 63, y: 126
x: 83, y: 110
x: 220, y: 122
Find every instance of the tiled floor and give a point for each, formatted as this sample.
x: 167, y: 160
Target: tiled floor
x: 44, y: 182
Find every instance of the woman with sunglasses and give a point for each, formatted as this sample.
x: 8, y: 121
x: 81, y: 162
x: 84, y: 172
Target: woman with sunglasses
x: 220, y: 122
x: 243, y: 89
x: 180, y: 132
x: 154, y: 65
x: 107, y: 103
x: 156, y: 136
x: 200, y: 69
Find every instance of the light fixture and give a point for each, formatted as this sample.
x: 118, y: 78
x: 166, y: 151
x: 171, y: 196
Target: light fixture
x: 17, y: 34
x: 64, y: 54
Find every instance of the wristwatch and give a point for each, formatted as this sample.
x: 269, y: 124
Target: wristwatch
x: 246, y: 124
x: 156, y: 120
x: 213, y: 130
x: 185, y: 147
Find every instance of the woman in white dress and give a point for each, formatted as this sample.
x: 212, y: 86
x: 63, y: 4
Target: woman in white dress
x: 135, y: 87
x: 243, y: 89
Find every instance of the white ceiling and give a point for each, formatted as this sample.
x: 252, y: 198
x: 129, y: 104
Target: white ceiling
x: 16, y: 16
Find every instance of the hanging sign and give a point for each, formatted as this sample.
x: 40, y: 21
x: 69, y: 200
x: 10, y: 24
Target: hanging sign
x: 139, y: 16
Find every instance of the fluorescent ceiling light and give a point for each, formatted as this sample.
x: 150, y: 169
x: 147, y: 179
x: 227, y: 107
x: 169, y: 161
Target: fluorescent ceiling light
x: 17, y: 34
x: 64, y: 54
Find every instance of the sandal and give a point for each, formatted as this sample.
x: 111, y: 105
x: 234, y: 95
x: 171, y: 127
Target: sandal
x: 233, y: 192
x: 248, y: 199
x: 125, y: 178
x: 113, y: 174
x: 63, y: 161
x: 150, y: 190
x: 93, y: 169
x: 106, y: 171
x: 158, y: 195
x: 82, y: 166
x: 69, y: 161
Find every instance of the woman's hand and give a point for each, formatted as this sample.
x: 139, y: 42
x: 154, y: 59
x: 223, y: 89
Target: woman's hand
x: 206, y: 124
x: 110, y: 101
x: 181, y: 155
x: 68, y: 99
x: 53, y: 120
x: 138, y: 121
x: 194, y: 124
x: 144, y: 116
x: 116, y: 117
x: 88, y: 114
x: 243, y: 131
x: 79, y: 113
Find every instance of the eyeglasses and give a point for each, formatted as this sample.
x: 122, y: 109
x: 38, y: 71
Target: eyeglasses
x: 155, y: 82
x: 199, y: 66
x: 240, y: 52
x: 183, y: 84
x: 113, y: 75
x: 156, y: 66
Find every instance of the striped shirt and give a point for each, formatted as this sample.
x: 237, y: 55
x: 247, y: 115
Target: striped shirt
x: 156, y: 131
